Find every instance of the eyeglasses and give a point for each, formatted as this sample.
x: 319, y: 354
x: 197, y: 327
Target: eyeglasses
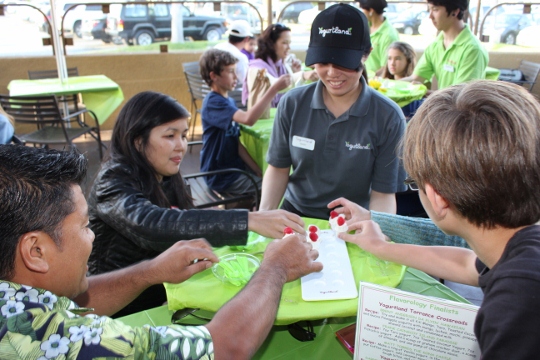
x: 178, y: 317
x: 411, y: 183
x: 300, y: 333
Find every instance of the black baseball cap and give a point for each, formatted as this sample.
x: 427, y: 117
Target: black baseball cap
x: 339, y: 36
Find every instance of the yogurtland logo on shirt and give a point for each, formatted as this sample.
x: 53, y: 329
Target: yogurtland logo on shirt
x: 357, y: 146
x: 335, y: 30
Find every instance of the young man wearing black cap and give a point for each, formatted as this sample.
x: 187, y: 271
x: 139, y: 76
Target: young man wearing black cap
x: 339, y: 135
x: 456, y: 56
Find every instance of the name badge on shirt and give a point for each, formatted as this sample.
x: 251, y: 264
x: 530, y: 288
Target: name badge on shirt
x: 303, y: 143
x: 448, y: 68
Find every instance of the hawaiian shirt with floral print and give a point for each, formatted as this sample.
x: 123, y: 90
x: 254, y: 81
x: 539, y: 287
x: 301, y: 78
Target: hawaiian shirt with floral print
x: 36, y: 324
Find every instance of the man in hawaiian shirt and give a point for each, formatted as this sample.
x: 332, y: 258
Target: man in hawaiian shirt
x: 45, y: 243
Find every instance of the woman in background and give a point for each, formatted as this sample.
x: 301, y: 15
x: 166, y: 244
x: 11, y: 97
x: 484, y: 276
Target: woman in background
x: 400, y: 62
x: 139, y: 205
x: 272, y: 54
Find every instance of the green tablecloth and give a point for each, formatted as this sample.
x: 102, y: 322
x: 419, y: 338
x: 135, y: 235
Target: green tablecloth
x: 492, y: 73
x: 281, y: 345
x: 206, y: 292
x: 100, y: 94
x: 402, y: 92
x: 256, y: 139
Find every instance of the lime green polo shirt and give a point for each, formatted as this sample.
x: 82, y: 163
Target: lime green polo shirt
x: 465, y: 59
x: 380, y: 40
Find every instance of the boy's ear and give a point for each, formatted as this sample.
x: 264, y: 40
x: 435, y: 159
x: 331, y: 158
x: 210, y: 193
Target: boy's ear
x: 439, y: 204
x: 212, y: 75
x: 35, y: 251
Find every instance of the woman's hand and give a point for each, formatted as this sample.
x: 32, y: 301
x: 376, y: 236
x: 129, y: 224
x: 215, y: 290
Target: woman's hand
x: 271, y: 223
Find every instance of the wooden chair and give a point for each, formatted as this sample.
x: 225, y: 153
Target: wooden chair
x: 204, y: 197
x: 530, y: 71
x: 198, y: 90
x: 51, y: 127
x: 74, y: 102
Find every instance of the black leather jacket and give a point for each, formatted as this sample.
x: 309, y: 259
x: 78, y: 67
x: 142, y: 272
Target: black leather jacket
x: 129, y: 228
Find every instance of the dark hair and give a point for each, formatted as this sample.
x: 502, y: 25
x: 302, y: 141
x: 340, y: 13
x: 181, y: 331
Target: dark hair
x: 138, y: 117
x: 451, y: 5
x: 409, y: 54
x: 478, y: 145
x: 35, y: 195
x: 214, y: 60
x: 233, y: 39
x: 377, y: 5
x: 267, y: 40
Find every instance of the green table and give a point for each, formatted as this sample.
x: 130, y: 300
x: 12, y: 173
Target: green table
x: 281, y: 345
x: 256, y: 139
x: 492, y: 73
x: 100, y: 94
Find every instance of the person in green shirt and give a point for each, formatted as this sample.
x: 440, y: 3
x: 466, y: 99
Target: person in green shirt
x: 382, y: 33
x: 45, y: 243
x: 456, y: 56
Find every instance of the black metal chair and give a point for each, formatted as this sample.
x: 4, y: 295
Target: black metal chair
x: 204, y: 197
x: 44, y: 113
x: 74, y: 102
x: 198, y: 90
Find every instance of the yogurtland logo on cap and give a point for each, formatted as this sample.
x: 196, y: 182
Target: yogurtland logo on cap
x: 335, y: 30
x: 339, y: 36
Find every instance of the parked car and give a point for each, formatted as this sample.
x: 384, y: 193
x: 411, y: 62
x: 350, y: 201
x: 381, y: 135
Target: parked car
x: 505, y: 27
x: 142, y: 24
x: 94, y: 28
x: 239, y: 11
x: 529, y: 37
x: 291, y: 12
x: 408, y: 22
x: 73, y: 17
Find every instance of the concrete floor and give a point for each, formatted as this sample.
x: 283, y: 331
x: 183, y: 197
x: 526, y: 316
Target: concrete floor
x: 191, y: 163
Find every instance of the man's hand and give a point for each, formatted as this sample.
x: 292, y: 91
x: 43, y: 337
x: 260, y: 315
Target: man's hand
x: 352, y: 211
x: 293, y: 256
x: 368, y: 236
x: 271, y: 223
x: 283, y: 82
x: 181, y: 261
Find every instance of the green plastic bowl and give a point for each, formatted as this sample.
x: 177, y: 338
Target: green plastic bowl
x: 236, y: 268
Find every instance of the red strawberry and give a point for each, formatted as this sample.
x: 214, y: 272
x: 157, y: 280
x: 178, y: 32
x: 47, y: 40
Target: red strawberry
x: 333, y: 214
x: 340, y: 221
x: 288, y: 230
x: 313, y: 228
x: 313, y: 236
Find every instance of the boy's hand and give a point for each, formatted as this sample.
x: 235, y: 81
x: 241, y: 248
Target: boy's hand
x: 310, y: 75
x: 283, y: 82
x: 368, y: 236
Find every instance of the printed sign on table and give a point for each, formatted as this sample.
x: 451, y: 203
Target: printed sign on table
x: 394, y: 324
